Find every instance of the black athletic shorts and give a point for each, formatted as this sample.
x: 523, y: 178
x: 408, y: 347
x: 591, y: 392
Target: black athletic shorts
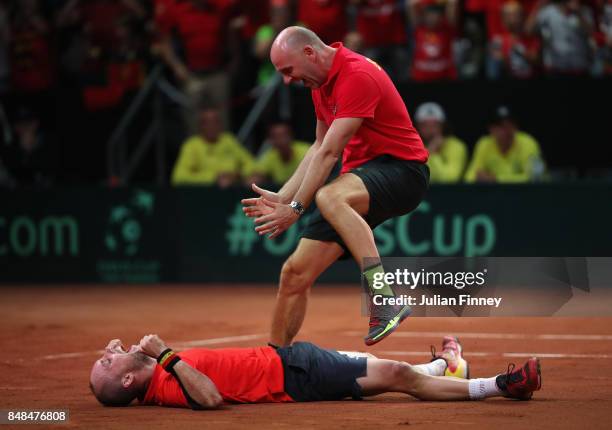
x: 314, y: 374
x: 396, y: 187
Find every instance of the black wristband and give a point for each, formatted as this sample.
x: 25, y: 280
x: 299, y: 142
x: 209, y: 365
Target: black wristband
x: 163, y: 353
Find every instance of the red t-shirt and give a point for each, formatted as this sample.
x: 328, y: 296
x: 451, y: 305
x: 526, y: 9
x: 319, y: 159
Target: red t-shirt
x: 381, y: 23
x: 201, y: 30
x: 242, y: 375
x: 433, y: 54
x: 327, y: 18
x: 357, y: 87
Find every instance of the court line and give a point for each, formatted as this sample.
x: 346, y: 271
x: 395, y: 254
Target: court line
x: 177, y: 345
x: 478, y: 335
x: 499, y: 354
x: 248, y: 337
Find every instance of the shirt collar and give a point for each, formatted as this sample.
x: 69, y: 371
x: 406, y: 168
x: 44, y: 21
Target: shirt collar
x: 337, y: 63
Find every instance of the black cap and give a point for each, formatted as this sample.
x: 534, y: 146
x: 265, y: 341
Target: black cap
x: 500, y: 114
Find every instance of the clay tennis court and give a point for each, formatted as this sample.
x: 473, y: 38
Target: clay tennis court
x: 50, y: 337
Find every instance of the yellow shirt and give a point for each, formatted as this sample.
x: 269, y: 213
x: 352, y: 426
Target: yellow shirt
x: 448, y: 164
x: 272, y: 165
x: 201, y: 162
x: 517, y: 165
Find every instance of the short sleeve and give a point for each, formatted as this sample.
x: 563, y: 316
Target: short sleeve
x: 357, y: 96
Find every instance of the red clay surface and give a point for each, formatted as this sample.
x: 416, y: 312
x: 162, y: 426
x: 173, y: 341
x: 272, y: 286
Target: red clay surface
x: 49, y: 336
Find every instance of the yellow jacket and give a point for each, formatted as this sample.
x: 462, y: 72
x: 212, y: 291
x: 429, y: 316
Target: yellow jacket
x: 201, y: 162
x: 448, y: 164
x: 272, y: 165
x: 517, y: 165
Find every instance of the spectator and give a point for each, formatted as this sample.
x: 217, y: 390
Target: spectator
x: 506, y: 155
x: 280, y: 17
x: 211, y: 157
x: 32, y: 158
x: 105, y: 49
x: 123, y: 69
x: 513, y: 53
x: 434, y: 34
x: 282, y: 156
x: 470, y: 49
x: 327, y: 18
x: 207, y: 39
x: 566, y: 29
x: 447, y: 154
x: 31, y: 59
x: 382, y: 25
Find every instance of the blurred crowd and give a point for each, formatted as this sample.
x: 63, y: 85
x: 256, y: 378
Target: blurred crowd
x: 217, y: 52
x: 504, y: 154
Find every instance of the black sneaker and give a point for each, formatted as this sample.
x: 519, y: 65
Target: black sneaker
x: 384, y: 319
x: 521, y: 383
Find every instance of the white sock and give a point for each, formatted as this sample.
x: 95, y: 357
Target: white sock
x: 483, y: 387
x: 435, y: 368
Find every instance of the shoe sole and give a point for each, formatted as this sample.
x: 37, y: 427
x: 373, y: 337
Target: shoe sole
x: 533, y: 367
x: 404, y: 313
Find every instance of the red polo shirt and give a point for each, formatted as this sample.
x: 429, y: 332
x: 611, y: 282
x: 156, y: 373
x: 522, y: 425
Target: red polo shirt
x: 357, y: 87
x: 242, y: 375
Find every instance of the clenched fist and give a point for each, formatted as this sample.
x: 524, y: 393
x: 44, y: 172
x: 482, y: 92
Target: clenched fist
x: 152, y: 345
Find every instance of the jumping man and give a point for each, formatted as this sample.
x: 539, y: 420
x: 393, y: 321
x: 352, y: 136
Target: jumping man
x: 361, y: 118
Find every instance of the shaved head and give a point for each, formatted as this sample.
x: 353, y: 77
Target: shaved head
x: 300, y: 56
x: 120, y: 375
x: 296, y: 38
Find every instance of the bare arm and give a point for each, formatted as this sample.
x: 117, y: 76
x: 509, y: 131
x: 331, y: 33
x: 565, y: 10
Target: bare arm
x: 178, y: 67
x: 199, y: 386
x: 291, y: 187
x: 196, y: 384
x: 323, y: 161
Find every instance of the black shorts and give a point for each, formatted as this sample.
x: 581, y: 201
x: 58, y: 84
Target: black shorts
x: 396, y: 187
x: 315, y: 374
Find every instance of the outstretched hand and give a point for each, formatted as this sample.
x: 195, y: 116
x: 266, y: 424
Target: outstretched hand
x: 256, y: 207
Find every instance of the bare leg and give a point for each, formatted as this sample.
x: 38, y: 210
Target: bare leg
x: 298, y: 274
x: 396, y: 376
x: 343, y: 202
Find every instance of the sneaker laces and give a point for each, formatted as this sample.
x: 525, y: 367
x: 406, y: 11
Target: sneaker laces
x: 509, y: 372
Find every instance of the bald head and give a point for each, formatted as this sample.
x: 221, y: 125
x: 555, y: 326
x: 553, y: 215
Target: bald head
x: 296, y: 38
x: 300, y: 56
x: 109, y: 388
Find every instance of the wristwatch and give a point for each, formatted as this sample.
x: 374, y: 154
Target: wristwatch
x: 297, y: 207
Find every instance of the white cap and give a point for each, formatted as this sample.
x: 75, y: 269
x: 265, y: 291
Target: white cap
x: 430, y: 110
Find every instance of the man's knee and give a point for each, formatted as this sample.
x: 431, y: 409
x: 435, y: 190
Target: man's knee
x: 403, y: 375
x: 328, y: 200
x: 295, y: 277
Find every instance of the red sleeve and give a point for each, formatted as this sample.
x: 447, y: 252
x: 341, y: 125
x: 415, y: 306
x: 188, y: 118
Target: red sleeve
x: 357, y: 97
x: 169, y: 393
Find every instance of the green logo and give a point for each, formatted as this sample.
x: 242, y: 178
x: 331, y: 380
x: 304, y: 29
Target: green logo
x: 124, y: 228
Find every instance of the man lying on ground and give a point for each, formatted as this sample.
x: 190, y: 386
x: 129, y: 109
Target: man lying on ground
x: 206, y: 378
